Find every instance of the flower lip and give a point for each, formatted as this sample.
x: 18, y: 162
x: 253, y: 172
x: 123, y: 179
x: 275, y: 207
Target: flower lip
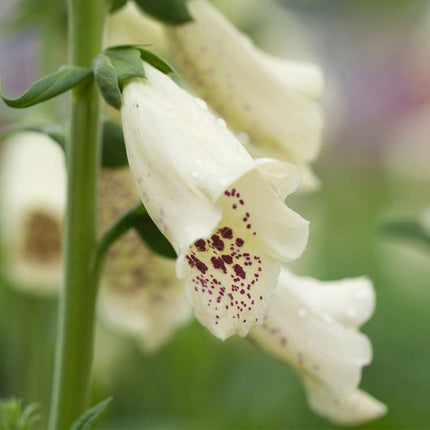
x: 313, y: 326
x: 212, y: 185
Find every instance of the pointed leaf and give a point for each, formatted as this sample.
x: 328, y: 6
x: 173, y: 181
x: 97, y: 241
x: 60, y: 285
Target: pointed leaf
x: 149, y: 57
x: 65, y: 78
x: 172, y: 12
x: 117, y: 4
x: 156, y: 61
x: 13, y: 417
x: 115, y: 66
x: 126, y: 62
x: 53, y: 131
x: 90, y: 418
x: 113, y: 152
x: 412, y: 230
x: 150, y: 234
x: 107, y: 80
x: 138, y: 219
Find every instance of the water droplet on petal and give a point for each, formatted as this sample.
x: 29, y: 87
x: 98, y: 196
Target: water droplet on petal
x: 201, y: 103
x: 195, y: 174
x: 221, y: 122
x: 243, y: 138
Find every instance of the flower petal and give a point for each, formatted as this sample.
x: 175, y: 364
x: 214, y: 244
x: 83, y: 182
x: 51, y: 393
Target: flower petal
x: 270, y: 99
x: 350, y: 302
x: 308, y: 335
x: 196, y: 179
x: 353, y: 408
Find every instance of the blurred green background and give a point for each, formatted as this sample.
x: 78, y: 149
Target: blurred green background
x: 374, y: 167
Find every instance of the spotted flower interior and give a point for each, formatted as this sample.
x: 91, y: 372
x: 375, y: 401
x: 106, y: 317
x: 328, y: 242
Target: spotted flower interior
x: 230, y: 271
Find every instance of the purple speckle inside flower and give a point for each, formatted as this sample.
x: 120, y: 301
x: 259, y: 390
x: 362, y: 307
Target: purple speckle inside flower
x: 225, y: 267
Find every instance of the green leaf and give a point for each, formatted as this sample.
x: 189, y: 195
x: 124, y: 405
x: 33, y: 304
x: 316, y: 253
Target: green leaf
x: 65, y: 78
x: 150, y: 234
x: 408, y: 229
x: 173, y: 12
x: 156, y: 61
x: 90, y: 418
x: 138, y: 219
x: 53, y: 131
x: 113, y: 153
x: 107, y: 80
x: 115, y: 66
x: 149, y: 57
x: 117, y: 4
x: 126, y: 62
x: 12, y: 417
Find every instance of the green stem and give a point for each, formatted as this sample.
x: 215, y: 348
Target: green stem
x: 77, y: 302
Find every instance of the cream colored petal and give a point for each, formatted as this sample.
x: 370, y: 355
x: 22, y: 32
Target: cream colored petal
x: 195, y: 179
x: 304, y: 331
x: 354, y: 408
x: 283, y: 178
x: 305, y: 78
x: 33, y: 200
x: 350, y: 302
x: 270, y: 99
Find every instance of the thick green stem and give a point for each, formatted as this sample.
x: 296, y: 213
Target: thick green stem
x: 78, y: 296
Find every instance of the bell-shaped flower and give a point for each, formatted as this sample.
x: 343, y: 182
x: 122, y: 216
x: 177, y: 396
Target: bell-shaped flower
x: 140, y: 293
x: 33, y: 194
x: 313, y: 326
x: 270, y: 99
x: 222, y: 211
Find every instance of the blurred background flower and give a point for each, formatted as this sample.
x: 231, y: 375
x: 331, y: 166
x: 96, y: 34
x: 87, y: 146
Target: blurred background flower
x: 373, y: 167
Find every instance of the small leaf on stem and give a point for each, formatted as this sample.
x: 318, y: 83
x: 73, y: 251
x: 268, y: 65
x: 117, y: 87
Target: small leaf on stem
x: 113, y: 151
x: 173, y: 12
x: 107, y: 80
x: 409, y: 229
x: 90, y: 418
x: 117, y: 4
x: 150, y: 234
x: 115, y: 66
x: 64, y: 79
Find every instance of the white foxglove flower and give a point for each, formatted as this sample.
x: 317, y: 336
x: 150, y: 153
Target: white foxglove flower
x: 222, y: 211
x: 270, y: 99
x: 140, y: 294
x: 33, y: 200
x: 313, y: 326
